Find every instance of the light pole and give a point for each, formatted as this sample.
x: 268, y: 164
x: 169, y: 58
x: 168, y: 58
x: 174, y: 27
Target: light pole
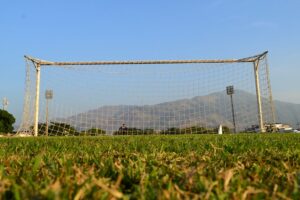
x: 230, y: 92
x: 48, y: 96
x: 5, y: 103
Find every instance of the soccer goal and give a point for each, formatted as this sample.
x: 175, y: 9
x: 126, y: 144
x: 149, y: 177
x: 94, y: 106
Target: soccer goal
x: 146, y: 97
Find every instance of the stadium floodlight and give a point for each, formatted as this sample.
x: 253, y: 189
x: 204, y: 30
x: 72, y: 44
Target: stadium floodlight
x: 48, y: 96
x: 5, y: 103
x: 151, y: 95
x: 230, y: 92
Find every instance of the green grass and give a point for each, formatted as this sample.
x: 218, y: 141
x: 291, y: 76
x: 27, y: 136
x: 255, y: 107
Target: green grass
x: 257, y: 166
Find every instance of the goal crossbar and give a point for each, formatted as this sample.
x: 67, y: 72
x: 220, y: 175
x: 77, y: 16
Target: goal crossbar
x: 138, y: 62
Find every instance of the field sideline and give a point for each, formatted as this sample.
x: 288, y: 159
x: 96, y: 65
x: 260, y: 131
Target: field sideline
x: 244, y: 166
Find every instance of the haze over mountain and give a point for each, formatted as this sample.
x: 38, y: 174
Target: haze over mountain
x: 288, y: 113
x: 208, y: 111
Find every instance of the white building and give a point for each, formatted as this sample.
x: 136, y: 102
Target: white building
x: 283, y: 127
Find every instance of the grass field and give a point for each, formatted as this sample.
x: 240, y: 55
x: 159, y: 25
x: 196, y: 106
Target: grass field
x: 151, y: 167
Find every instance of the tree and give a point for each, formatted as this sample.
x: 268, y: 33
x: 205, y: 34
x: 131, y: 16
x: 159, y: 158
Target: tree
x: 93, y: 132
x: 135, y: 131
x: 226, y: 130
x: 195, y: 130
x: 171, y: 131
x: 6, y: 122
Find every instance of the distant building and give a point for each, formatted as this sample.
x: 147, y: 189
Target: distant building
x: 283, y: 127
x: 277, y: 127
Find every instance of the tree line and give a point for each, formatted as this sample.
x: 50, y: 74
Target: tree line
x: 64, y: 129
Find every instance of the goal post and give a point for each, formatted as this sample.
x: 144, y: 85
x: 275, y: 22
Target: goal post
x: 98, y: 97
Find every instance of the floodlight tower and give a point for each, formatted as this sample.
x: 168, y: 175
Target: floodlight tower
x: 5, y: 103
x: 48, y: 96
x: 230, y: 92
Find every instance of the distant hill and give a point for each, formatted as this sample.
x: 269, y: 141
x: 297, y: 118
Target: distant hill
x: 288, y: 113
x: 210, y: 111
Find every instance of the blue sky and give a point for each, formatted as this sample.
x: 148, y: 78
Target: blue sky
x: 169, y: 29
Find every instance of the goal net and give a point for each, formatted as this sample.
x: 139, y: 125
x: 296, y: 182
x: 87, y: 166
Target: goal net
x: 146, y: 97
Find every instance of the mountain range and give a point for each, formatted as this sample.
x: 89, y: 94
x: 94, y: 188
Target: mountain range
x: 207, y: 111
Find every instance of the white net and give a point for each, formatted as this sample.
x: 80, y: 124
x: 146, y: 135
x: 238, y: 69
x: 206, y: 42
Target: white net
x: 139, y: 98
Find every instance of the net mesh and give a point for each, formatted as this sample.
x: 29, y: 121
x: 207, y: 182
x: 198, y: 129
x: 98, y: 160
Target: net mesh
x: 145, y: 99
